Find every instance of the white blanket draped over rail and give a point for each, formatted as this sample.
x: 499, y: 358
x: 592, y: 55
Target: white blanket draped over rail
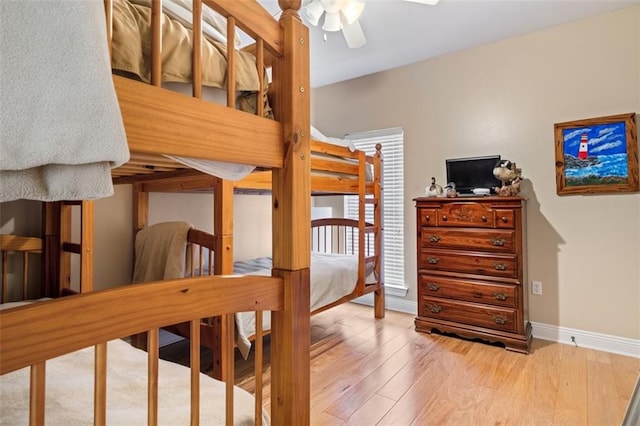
x: 61, y: 129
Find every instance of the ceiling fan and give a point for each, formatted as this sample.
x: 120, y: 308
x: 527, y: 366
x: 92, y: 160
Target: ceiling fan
x: 342, y: 15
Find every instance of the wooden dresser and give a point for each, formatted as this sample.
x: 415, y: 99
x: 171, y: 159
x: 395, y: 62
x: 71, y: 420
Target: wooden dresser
x: 472, y: 269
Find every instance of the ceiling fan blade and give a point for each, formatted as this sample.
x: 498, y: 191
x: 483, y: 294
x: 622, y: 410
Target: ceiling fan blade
x: 431, y: 2
x: 353, y: 34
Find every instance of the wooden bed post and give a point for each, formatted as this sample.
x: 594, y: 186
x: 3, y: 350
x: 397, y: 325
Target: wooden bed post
x: 51, y: 249
x: 223, y: 226
x: 140, y: 210
x: 379, y: 304
x: 223, y: 265
x: 140, y: 218
x: 290, y: 344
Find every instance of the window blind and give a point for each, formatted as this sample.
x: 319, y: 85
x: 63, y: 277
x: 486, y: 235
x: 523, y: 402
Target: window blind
x: 392, y: 142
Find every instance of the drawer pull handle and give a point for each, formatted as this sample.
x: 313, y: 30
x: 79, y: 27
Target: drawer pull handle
x: 500, y: 296
x: 500, y: 266
x: 434, y: 238
x: 435, y: 309
x: 433, y: 260
x: 433, y: 286
x: 444, y: 218
x: 504, y: 219
x: 498, y: 241
x: 499, y: 319
x: 484, y: 218
x: 427, y: 217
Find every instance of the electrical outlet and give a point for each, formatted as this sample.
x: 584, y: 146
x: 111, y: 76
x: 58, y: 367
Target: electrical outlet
x: 536, y: 287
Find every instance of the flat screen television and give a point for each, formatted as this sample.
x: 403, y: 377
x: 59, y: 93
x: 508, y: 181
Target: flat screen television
x: 472, y: 172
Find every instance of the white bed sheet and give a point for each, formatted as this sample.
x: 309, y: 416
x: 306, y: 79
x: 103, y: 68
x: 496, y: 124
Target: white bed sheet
x: 69, y: 392
x: 333, y: 276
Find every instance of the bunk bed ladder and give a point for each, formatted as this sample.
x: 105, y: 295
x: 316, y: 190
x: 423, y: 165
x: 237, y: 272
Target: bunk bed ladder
x: 379, y: 299
x: 59, y: 247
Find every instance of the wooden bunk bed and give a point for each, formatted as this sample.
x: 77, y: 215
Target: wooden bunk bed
x: 335, y: 170
x: 159, y: 122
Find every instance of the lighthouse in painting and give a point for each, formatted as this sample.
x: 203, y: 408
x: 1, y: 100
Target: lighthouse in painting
x: 583, y: 151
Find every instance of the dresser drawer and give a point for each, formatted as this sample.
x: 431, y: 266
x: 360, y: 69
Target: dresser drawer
x: 467, y: 290
x: 470, y: 239
x: 466, y: 215
x: 505, y: 219
x: 497, y: 265
x: 478, y: 315
x: 427, y: 217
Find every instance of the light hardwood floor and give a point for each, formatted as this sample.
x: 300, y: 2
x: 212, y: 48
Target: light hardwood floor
x: 382, y: 372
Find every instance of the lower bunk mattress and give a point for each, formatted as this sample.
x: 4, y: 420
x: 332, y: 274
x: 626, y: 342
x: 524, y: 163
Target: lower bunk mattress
x: 69, y: 392
x: 333, y: 276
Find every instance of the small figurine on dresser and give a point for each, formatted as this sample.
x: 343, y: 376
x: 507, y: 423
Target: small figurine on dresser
x: 510, y: 176
x: 434, y: 190
x: 450, y: 190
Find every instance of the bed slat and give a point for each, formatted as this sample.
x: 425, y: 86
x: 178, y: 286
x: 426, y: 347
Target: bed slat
x: 229, y: 321
x: 258, y: 368
x: 196, y: 69
x: 37, y: 394
x: 152, y: 376
x: 259, y: 66
x: 231, y: 62
x: 195, y: 371
x: 156, y: 42
x: 100, y: 385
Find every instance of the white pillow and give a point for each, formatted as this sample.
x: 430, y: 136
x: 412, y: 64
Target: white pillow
x: 316, y: 134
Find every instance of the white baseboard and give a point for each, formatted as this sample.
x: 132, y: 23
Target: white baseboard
x: 392, y: 303
x: 553, y: 333
x: 587, y: 339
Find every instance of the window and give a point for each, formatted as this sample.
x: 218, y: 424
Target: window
x: 392, y: 141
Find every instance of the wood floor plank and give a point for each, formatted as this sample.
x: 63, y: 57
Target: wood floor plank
x: 371, y: 411
x: 571, y: 403
x: 601, y: 390
x: 427, y: 385
x: 537, y: 386
x: 412, y: 370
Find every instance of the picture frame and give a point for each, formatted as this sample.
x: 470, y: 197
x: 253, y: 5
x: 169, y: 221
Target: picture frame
x: 597, y: 155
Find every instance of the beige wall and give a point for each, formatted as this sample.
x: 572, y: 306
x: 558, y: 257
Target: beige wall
x: 503, y: 98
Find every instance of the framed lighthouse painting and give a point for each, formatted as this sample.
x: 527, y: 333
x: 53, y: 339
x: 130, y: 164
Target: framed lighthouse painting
x: 597, y: 155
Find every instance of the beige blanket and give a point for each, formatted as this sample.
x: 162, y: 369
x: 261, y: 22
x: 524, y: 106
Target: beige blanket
x: 161, y: 252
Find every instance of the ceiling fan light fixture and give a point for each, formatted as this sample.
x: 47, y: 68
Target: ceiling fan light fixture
x: 338, y: 15
x: 313, y: 11
x: 352, y: 10
x: 332, y: 22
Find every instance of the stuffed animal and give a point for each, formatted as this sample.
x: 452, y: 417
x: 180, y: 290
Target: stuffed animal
x: 509, y: 190
x: 506, y: 172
